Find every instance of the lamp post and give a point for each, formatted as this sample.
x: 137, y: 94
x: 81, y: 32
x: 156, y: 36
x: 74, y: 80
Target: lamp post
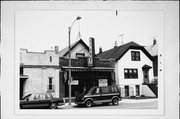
x: 70, y: 78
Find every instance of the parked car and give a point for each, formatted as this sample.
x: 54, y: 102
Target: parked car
x: 37, y: 100
x: 96, y: 95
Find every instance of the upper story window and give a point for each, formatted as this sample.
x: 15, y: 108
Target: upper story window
x: 80, y: 55
x: 50, y: 59
x: 135, y: 55
x: 130, y: 73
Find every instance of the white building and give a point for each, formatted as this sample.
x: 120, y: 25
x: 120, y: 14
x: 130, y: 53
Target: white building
x: 133, y: 69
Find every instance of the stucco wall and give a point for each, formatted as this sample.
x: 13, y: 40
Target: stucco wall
x: 35, y: 58
x: 38, y: 80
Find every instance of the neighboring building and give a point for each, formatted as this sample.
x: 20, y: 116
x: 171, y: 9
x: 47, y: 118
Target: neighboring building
x: 39, y: 72
x: 48, y: 71
x: 133, y: 69
x: 153, y: 50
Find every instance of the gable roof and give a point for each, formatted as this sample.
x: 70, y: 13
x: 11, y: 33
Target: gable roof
x: 117, y: 52
x: 65, y: 51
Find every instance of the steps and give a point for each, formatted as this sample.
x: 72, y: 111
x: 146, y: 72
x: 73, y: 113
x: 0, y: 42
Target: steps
x: 154, y: 88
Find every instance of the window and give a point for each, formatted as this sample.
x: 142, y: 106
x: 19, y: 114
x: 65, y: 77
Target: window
x: 50, y: 86
x: 50, y: 59
x: 105, y: 89
x: 80, y: 55
x: 96, y: 91
x: 130, y: 73
x: 135, y: 55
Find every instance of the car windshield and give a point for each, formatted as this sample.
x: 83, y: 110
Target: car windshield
x: 26, y: 97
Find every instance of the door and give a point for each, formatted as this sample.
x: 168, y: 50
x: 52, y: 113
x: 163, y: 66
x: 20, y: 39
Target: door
x: 126, y: 91
x: 146, y: 76
x: 137, y: 90
x: 96, y: 95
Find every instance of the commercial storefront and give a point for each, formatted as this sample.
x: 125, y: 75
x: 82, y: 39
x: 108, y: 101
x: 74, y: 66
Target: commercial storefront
x: 84, y: 77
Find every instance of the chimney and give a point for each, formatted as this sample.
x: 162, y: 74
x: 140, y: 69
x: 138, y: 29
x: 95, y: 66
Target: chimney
x: 100, y: 50
x: 115, y: 44
x: 154, y: 42
x: 56, y: 49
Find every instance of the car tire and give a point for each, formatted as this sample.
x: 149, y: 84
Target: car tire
x: 53, y: 105
x: 88, y: 103
x: 115, y: 101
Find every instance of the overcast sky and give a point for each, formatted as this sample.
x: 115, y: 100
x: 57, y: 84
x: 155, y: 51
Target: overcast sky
x: 39, y: 30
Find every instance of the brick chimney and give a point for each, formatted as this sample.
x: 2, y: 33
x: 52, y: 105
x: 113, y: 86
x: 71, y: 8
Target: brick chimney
x: 154, y: 42
x: 100, y: 50
x: 115, y: 44
x: 56, y: 49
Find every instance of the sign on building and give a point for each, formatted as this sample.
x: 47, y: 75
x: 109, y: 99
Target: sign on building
x: 103, y: 82
x: 91, y: 52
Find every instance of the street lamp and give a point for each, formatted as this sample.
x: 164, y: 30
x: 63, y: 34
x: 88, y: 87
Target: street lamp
x: 70, y: 78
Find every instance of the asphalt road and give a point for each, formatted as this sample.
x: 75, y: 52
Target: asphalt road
x: 124, y: 104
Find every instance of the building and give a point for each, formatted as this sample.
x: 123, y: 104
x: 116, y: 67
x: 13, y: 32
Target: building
x: 86, y: 69
x: 39, y: 72
x: 153, y: 50
x: 133, y: 69
x: 48, y: 71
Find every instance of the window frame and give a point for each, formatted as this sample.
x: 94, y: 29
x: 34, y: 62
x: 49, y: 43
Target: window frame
x: 80, y: 55
x: 130, y: 75
x: 135, y: 56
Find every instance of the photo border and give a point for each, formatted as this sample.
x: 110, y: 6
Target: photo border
x: 56, y: 113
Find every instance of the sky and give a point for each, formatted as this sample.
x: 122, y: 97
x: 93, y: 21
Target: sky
x: 39, y: 30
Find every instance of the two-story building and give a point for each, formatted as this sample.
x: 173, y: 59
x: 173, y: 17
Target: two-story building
x: 133, y: 69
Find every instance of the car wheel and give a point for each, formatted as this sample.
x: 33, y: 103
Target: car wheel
x: 88, y: 103
x: 115, y: 101
x: 53, y: 105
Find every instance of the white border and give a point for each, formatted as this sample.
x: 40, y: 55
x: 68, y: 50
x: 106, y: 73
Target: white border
x: 9, y: 74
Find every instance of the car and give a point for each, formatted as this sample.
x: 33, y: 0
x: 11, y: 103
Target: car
x: 99, y: 94
x: 41, y: 100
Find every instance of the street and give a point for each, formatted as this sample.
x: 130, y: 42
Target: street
x: 123, y: 104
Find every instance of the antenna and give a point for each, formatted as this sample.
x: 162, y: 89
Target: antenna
x: 121, y: 38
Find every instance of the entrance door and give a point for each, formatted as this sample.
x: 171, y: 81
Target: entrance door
x: 126, y: 91
x: 137, y: 90
x: 146, y: 76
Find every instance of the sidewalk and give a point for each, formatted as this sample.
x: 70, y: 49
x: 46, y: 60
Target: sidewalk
x: 133, y: 101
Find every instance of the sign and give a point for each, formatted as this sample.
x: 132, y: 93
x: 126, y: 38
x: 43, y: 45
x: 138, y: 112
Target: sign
x: 103, y: 82
x: 74, y: 82
x: 91, y: 52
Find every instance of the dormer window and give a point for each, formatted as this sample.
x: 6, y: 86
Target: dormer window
x: 135, y: 55
x: 80, y: 55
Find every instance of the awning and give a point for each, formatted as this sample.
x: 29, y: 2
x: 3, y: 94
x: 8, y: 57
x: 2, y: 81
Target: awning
x: 24, y: 77
x: 146, y: 67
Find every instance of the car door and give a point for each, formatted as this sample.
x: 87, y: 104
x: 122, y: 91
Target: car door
x: 106, y: 94
x: 30, y: 102
x: 96, y: 95
x: 43, y: 101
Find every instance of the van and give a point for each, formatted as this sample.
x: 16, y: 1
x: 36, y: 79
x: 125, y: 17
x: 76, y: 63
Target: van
x: 96, y: 95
